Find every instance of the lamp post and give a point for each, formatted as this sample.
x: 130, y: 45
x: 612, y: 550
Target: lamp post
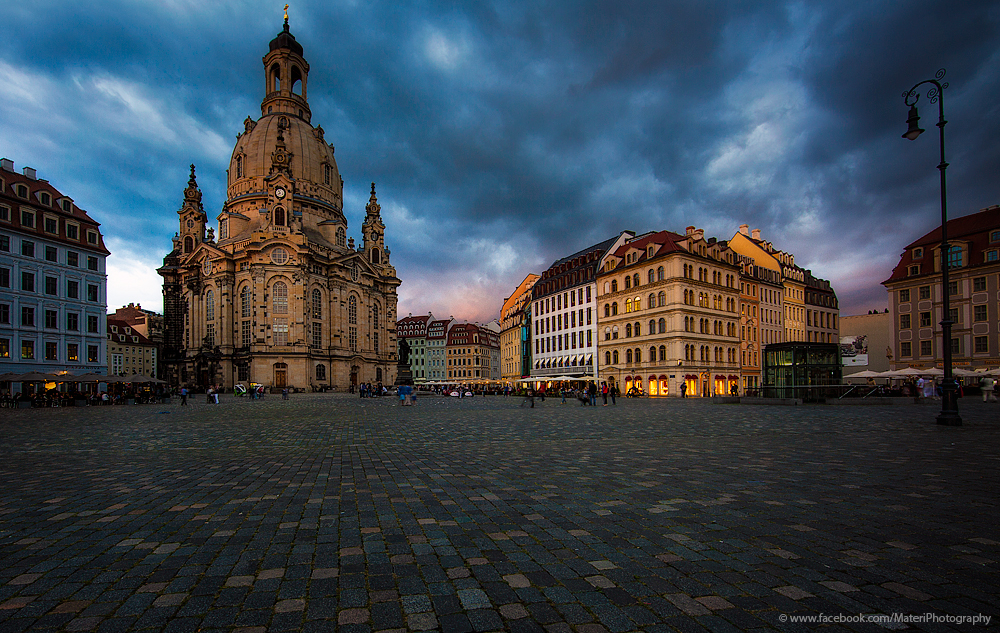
x: 949, y: 404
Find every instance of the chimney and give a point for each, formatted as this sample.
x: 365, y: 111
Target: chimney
x: 7, y: 164
x: 689, y: 230
x: 755, y: 234
x: 698, y: 234
x: 745, y: 229
x: 29, y: 172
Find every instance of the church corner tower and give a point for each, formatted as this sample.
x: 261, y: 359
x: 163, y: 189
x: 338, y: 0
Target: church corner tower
x: 282, y: 298
x: 373, y: 233
x: 192, y: 216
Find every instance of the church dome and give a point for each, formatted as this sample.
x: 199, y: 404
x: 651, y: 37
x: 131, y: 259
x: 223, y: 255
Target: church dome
x: 311, y: 162
x: 284, y: 128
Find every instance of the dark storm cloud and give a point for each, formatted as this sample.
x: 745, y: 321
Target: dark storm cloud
x: 505, y: 136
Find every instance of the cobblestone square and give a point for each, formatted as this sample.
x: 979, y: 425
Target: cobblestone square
x: 332, y: 512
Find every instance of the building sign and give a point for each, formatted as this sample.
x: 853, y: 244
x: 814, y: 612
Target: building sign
x: 854, y: 350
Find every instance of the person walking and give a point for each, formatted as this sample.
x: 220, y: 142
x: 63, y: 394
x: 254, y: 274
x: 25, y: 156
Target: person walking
x: 184, y: 396
x: 613, y: 391
x: 592, y: 393
x: 604, y: 392
x: 987, y: 388
x: 529, y: 397
x: 684, y: 390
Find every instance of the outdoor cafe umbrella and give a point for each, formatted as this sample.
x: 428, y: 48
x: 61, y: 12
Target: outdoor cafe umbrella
x: 138, y: 378
x: 35, y: 376
x: 865, y: 374
x: 958, y: 371
x: 903, y: 373
x: 90, y: 377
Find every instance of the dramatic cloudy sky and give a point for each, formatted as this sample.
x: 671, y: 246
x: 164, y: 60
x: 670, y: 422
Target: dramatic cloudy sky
x: 506, y: 135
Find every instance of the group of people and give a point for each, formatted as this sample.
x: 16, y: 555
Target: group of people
x: 369, y: 390
x: 407, y: 395
x: 587, y: 395
x: 256, y: 391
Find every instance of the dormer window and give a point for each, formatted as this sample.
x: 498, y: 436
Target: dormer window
x: 914, y: 270
x: 45, y: 198
x: 66, y: 205
x: 918, y: 253
x: 21, y: 191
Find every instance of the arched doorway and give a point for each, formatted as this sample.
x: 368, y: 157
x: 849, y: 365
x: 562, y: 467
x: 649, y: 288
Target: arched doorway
x: 280, y: 375
x: 354, y: 377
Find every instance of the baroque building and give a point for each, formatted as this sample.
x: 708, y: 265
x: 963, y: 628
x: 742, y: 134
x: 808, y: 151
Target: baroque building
x: 563, y: 314
x: 282, y: 297
x: 515, y: 331
x: 53, y: 282
x: 668, y: 315
x: 916, y: 298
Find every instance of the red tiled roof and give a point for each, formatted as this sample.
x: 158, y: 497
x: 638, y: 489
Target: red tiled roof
x: 35, y: 186
x: 973, y: 229
x: 116, y: 337
x: 666, y: 239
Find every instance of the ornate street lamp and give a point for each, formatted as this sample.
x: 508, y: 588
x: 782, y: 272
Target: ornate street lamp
x: 949, y: 404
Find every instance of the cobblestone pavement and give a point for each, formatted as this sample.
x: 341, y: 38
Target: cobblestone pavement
x: 331, y: 512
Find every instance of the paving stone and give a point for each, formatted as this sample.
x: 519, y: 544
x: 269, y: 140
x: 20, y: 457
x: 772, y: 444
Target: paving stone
x: 661, y: 516
x: 421, y: 622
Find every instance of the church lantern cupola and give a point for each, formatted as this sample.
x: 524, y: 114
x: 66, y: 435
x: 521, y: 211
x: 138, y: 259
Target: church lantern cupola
x: 192, y: 217
x: 286, y: 75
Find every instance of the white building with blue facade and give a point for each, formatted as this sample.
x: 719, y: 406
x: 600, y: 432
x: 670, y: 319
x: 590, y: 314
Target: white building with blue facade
x: 53, y: 282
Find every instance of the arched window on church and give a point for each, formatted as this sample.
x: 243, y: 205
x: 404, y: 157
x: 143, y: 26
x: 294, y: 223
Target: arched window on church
x: 375, y: 329
x: 188, y: 244
x: 352, y: 319
x: 296, y: 81
x: 317, y: 304
x: 375, y: 256
x: 239, y: 166
x: 279, y: 297
x: 275, y: 78
x: 279, y: 216
x: 245, y: 302
x: 210, y: 305
x: 321, y: 372
x: 341, y: 237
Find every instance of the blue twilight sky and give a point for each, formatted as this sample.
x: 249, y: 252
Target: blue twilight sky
x: 505, y: 135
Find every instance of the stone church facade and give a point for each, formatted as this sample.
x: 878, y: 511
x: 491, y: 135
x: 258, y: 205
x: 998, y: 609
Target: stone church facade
x: 281, y: 297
